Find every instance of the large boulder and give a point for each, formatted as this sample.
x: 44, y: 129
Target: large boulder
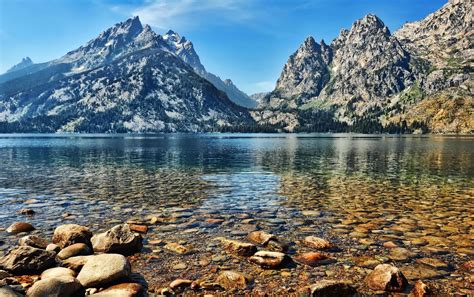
x: 386, y: 277
x: 119, y: 239
x: 103, y: 269
x: 26, y: 259
x: 121, y: 290
x: 60, y: 286
x: 66, y: 235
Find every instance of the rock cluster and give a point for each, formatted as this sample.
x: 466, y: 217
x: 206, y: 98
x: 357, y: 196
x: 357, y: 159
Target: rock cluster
x: 69, y: 267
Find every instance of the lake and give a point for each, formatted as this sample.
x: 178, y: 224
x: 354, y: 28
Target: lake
x: 378, y: 198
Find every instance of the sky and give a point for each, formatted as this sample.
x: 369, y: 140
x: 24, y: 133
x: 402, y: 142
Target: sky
x: 248, y: 41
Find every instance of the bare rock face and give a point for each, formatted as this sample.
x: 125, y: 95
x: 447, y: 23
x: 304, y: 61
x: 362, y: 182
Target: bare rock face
x: 303, y: 76
x: 54, y: 287
x: 100, y: 270
x: 66, y: 235
x: 119, y: 239
x: 25, y: 259
x: 386, y: 277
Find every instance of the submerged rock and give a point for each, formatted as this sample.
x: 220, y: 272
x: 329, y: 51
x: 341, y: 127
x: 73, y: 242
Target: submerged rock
x: 25, y: 259
x: 329, y: 288
x: 313, y: 259
x: 177, y: 248
x: 119, y: 239
x: 180, y: 284
x: 232, y: 280
x: 58, y: 286
x: 237, y: 247
x: 386, y: 277
x: 317, y: 243
x: 19, y: 227
x: 66, y: 235
x: 268, y: 259
x: 33, y: 241
x: 100, y: 270
x: 267, y: 240
x: 420, y: 290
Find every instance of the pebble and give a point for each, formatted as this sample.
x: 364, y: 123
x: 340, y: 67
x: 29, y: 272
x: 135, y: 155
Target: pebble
x: 312, y: 259
x: 237, y: 247
x: 177, y: 248
x: 268, y: 259
x: 232, y: 280
x: 317, y: 243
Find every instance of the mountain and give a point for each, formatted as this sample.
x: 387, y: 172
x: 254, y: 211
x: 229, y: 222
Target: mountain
x: 127, y: 79
x: 369, y: 80
x: 25, y: 62
x: 185, y: 50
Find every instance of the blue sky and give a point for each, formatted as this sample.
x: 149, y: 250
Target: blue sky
x: 248, y: 41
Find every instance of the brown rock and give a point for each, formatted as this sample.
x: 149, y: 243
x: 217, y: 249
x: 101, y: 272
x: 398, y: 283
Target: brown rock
x: 433, y: 262
x: 76, y: 263
x: 329, y: 288
x: 366, y: 262
x: 317, y: 243
x: 232, y: 280
x: 66, y: 235
x: 420, y: 290
x: 7, y: 291
x: 76, y: 249
x: 53, y: 247
x: 386, y: 277
x: 268, y: 259
x: 59, y: 286
x: 119, y: 239
x: 468, y: 266
x: 313, y: 259
x: 238, y: 247
x: 26, y: 211
x: 57, y: 272
x: 19, y: 227
x: 260, y: 237
x: 25, y: 260
x: 100, y: 270
x: 33, y: 241
x: 121, y: 290
x: 180, y: 284
x: 139, y: 228
x: 177, y: 248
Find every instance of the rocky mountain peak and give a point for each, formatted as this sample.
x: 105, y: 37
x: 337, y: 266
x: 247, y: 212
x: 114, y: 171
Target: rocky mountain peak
x: 25, y: 62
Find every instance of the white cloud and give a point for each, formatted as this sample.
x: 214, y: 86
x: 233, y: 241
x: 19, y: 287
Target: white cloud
x: 178, y: 14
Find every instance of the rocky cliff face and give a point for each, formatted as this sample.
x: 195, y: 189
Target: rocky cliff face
x: 126, y: 79
x: 370, y: 77
x: 25, y: 62
x: 184, y: 49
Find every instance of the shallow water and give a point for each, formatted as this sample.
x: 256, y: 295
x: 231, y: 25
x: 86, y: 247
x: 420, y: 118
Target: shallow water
x: 359, y: 191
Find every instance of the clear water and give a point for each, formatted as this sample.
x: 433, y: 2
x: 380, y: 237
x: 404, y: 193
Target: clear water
x: 328, y: 185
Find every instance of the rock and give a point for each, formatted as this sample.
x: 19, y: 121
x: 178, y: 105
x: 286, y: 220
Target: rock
x: 329, y: 288
x: 180, y: 266
x: 237, y: 247
x: 76, y: 249
x: 433, y: 262
x: 76, y: 263
x: 57, y: 272
x: 269, y: 241
x: 26, y: 211
x: 19, y: 227
x: 313, y: 259
x: 176, y: 248
x: 420, y: 290
x: 139, y: 228
x: 178, y: 284
x: 119, y: 239
x: 6, y: 291
x: 33, y: 241
x: 400, y: 254
x: 232, y: 280
x: 25, y: 259
x: 66, y: 235
x: 121, y: 290
x: 4, y: 274
x: 59, y: 286
x: 100, y: 270
x: 421, y: 271
x: 386, y: 277
x: 317, y: 243
x: 468, y: 266
x: 267, y: 259
x: 366, y: 262
x: 53, y: 247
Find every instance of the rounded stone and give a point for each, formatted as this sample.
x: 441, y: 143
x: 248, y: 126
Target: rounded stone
x: 26, y: 259
x: 386, y: 277
x: 121, y: 290
x: 19, y: 227
x: 100, y: 270
x: 232, y: 280
x: 268, y: 259
x: 119, y: 239
x: 58, y: 286
x: 77, y: 249
x: 66, y: 235
x: 317, y: 243
x: 33, y: 241
x: 57, y: 272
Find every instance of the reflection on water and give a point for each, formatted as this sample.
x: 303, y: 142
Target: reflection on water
x: 360, y: 191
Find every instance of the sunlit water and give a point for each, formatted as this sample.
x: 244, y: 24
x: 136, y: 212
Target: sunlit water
x: 357, y: 190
